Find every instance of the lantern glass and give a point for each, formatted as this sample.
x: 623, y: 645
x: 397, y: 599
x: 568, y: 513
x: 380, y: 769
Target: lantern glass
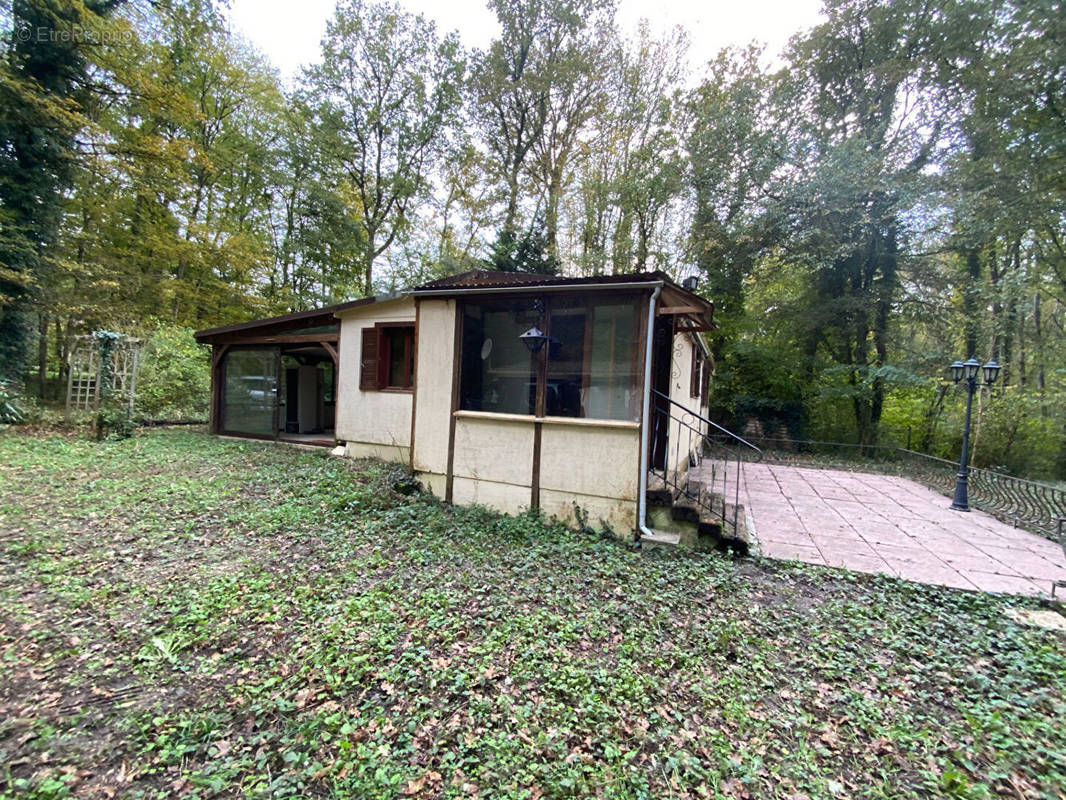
x: 991, y: 370
x: 973, y: 366
x: 957, y: 369
x: 534, y: 339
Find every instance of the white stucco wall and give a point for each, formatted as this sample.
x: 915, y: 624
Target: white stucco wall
x: 372, y: 424
x: 493, y: 462
x: 595, y: 466
x: 433, y: 390
x: 680, y: 385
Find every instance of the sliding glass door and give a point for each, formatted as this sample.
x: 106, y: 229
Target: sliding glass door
x: 250, y: 391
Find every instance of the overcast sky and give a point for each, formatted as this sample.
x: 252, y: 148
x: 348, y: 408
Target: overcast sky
x: 289, y: 32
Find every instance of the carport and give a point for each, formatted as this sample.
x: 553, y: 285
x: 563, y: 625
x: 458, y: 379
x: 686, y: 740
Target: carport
x: 276, y: 378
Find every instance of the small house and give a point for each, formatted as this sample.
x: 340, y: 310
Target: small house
x: 508, y: 390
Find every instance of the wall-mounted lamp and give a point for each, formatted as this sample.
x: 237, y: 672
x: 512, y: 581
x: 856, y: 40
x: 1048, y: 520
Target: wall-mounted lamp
x: 533, y: 339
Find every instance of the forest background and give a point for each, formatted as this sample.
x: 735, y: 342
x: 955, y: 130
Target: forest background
x: 883, y: 197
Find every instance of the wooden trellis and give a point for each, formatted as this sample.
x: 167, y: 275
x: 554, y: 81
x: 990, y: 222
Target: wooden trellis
x: 83, y: 375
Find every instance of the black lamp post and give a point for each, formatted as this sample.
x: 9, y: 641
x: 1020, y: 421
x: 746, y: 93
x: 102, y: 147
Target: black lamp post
x: 968, y: 372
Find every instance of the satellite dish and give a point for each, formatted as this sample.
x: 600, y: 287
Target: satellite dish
x: 486, y: 348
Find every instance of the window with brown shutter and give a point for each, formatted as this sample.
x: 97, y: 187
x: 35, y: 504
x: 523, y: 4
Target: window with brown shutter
x: 387, y: 357
x: 396, y: 356
x: 368, y: 370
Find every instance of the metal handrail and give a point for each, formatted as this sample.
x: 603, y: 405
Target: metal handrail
x: 690, y: 439
x: 659, y: 395
x: 1060, y: 584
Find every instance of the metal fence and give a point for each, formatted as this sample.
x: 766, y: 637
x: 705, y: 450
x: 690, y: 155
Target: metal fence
x: 1026, y: 504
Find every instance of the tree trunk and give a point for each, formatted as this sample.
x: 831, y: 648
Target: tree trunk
x: 973, y: 265
x: 643, y: 237
x: 511, y: 215
x: 932, y: 417
x: 551, y: 214
x: 1037, y: 325
x: 368, y: 267
x: 620, y: 247
x: 42, y: 355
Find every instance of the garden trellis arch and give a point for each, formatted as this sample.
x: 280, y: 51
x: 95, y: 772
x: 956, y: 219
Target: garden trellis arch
x: 83, y: 374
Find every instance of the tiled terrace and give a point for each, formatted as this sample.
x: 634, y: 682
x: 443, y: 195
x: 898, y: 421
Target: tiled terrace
x: 878, y: 523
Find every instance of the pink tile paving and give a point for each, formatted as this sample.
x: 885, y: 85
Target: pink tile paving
x: 878, y: 523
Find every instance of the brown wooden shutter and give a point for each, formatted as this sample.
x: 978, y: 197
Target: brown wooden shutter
x: 705, y: 385
x: 368, y: 370
x: 695, y: 376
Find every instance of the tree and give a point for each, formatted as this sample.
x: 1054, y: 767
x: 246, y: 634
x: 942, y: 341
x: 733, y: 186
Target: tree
x: 317, y: 241
x: 168, y: 217
x: 736, y: 146
x: 630, y: 164
x: 43, y: 67
x: 538, y: 87
x: 574, y: 64
x: 526, y: 253
x: 871, y: 112
x: 388, y: 93
x: 510, y: 93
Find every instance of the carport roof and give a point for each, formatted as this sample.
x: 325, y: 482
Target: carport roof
x: 285, y: 323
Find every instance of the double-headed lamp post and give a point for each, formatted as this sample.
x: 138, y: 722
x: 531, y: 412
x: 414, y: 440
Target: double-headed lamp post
x: 968, y: 372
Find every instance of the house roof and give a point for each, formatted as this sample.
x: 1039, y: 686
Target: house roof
x: 311, y: 318
x: 494, y: 279
x: 694, y: 312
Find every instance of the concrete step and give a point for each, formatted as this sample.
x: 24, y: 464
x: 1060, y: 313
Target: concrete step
x: 659, y: 540
x: 694, y: 523
x: 715, y: 532
x: 712, y: 527
x: 658, y: 493
x: 686, y: 509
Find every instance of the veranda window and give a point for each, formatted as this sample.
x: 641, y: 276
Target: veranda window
x: 699, y: 374
x: 588, y: 364
x: 497, y: 373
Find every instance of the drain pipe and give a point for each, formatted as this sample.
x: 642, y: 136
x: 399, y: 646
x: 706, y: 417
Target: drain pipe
x: 645, y: 433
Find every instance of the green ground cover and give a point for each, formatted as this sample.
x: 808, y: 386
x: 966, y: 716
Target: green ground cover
x: 185, y: 616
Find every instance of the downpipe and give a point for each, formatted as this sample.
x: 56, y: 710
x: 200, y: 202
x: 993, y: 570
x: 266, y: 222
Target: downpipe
x: 645, y: 435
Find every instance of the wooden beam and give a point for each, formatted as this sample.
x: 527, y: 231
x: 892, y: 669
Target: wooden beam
x: 696, y: 328
x: 666, y: 310
x: 217, y: 352
x: 329, y: 348
x: 457, y: 349
x: 217, y: 386
x: 414, y: 388
x: 534, y: 484
x: 280, y: 338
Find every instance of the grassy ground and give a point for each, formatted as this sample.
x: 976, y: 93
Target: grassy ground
x: 184, y: 616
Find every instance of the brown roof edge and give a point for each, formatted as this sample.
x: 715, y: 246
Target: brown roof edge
x: 483, y: 281
x: 326, y: 313
x: 482, y: 277
x: 476, y: 280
